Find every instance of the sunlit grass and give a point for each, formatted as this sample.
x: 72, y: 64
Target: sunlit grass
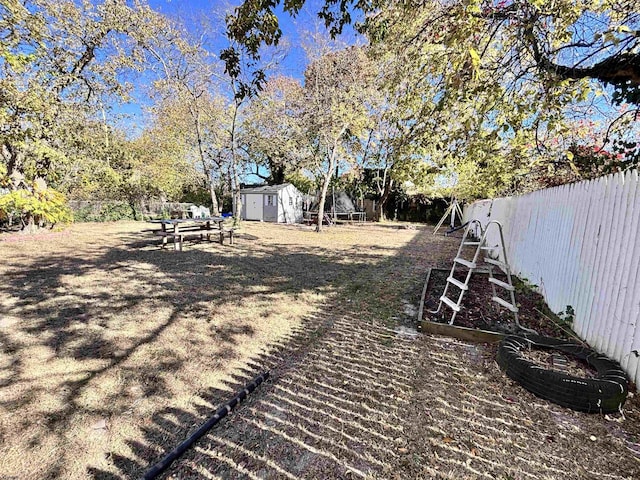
x: 104, y: 329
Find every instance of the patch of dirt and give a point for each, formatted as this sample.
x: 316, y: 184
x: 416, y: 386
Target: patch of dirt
x: 479, y: 311
x: 41, y: 235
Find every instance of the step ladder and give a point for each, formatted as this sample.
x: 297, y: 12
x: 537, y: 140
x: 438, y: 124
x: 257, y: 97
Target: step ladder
x: 476, y: 236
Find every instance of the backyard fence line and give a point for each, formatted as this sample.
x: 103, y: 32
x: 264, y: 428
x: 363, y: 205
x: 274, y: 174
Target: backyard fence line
x: 154, y: 207
x: 579, y: 244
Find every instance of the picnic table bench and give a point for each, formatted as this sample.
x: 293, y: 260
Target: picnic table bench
x: 192, y: 227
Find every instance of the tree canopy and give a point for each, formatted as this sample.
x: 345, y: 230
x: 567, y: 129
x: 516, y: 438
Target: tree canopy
x: 60, y: 64
x: 565, y: 39
x: 491, y: 91
x: 272, y: 134
x: 476, y: 98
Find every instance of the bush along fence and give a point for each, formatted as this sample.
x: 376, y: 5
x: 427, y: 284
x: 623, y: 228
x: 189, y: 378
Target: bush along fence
x: 109, y: 211
x: 579, y: 245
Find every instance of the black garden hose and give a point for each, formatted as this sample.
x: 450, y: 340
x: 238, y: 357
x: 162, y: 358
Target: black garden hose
x: 222, y: 412
x: 455, y: 229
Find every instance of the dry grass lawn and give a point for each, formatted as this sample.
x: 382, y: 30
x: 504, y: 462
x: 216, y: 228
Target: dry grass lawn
x: 113, y: 350
x: 100, y: 330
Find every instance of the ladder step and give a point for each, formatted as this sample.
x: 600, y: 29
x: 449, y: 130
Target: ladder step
x: 504, y: 303
x: 475, y: 244
x: 457, y: 283
x: 450, y: 303
x: 464, y: 262
x: 504, y: 285
x: 497, y: 263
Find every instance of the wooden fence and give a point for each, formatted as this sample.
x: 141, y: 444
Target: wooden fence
x: 580, y: 245
x: 150, y: 207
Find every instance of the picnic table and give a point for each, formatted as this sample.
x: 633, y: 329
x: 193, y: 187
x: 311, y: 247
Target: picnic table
x: 189, y: 227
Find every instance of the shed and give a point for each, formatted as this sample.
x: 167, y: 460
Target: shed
x: 272, y: 203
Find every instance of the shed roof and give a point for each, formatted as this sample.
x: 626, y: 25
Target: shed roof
x: 265, y: 189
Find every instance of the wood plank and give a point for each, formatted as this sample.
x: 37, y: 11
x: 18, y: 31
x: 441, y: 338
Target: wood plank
x: 461, y: 333
x: 230, y: 232
x: 424, y: 294
x: 197, y: 233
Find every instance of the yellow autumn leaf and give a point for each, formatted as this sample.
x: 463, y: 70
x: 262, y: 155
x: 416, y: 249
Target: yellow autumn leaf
x: 475, y: 57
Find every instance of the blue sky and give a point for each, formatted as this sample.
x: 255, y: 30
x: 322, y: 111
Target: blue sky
x: 192, y: 12
x: 189, y: 12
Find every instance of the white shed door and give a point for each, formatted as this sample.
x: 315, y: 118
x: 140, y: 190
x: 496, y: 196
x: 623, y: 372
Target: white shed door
x: 254, y: 206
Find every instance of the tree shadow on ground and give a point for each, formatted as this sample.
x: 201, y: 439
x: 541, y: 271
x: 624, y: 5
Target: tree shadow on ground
x: 80, y: 352
x: 351, y: 396
x: 333, y: 406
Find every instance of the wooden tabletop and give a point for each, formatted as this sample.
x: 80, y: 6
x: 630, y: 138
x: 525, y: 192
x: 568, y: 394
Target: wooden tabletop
x: 173, y: 221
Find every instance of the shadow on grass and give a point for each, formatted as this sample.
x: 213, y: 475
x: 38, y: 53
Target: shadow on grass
x: 335, y: 397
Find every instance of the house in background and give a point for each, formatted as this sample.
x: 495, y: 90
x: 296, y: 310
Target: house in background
x: 272, y: 203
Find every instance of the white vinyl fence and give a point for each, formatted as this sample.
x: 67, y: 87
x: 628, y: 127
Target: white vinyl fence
x: 580, y: 244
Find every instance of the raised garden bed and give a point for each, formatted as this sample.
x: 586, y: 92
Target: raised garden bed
x: 479, y: 314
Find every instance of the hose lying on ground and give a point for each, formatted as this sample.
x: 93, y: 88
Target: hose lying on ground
x: 222, y: 412
x: 455, y: 229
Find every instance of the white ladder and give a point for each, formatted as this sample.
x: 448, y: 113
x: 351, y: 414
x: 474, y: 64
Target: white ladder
x: 482, y: 249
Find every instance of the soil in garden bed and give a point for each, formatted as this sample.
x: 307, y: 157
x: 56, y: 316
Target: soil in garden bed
x: 559, y: 363
x: 480, y: 312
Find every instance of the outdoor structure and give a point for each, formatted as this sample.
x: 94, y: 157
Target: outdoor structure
x: 578, y: 244
x: 272, y: 203
x: 338, y: 207
x: 453, y: 209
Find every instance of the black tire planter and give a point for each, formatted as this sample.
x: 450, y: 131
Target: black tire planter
x: 606, y: 393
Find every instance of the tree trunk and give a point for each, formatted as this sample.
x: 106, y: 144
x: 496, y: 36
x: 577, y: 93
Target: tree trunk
x: 14, y: 170
x: 237, y: 198
x: 323, y: 198
x: 277, y: 174
x: 132, y: 205
x: 383, y: 200
x: 215, y: 207
x: 325, y: 188
x: 29, y: 224
x: 331, y: 168
x: 208, y: 171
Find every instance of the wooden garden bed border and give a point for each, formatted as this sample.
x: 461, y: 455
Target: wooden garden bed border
x: 461, y: 333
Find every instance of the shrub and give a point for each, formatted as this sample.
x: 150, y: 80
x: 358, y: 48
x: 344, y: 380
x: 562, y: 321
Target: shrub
x: 35, y: 206
x: 109, y: 212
